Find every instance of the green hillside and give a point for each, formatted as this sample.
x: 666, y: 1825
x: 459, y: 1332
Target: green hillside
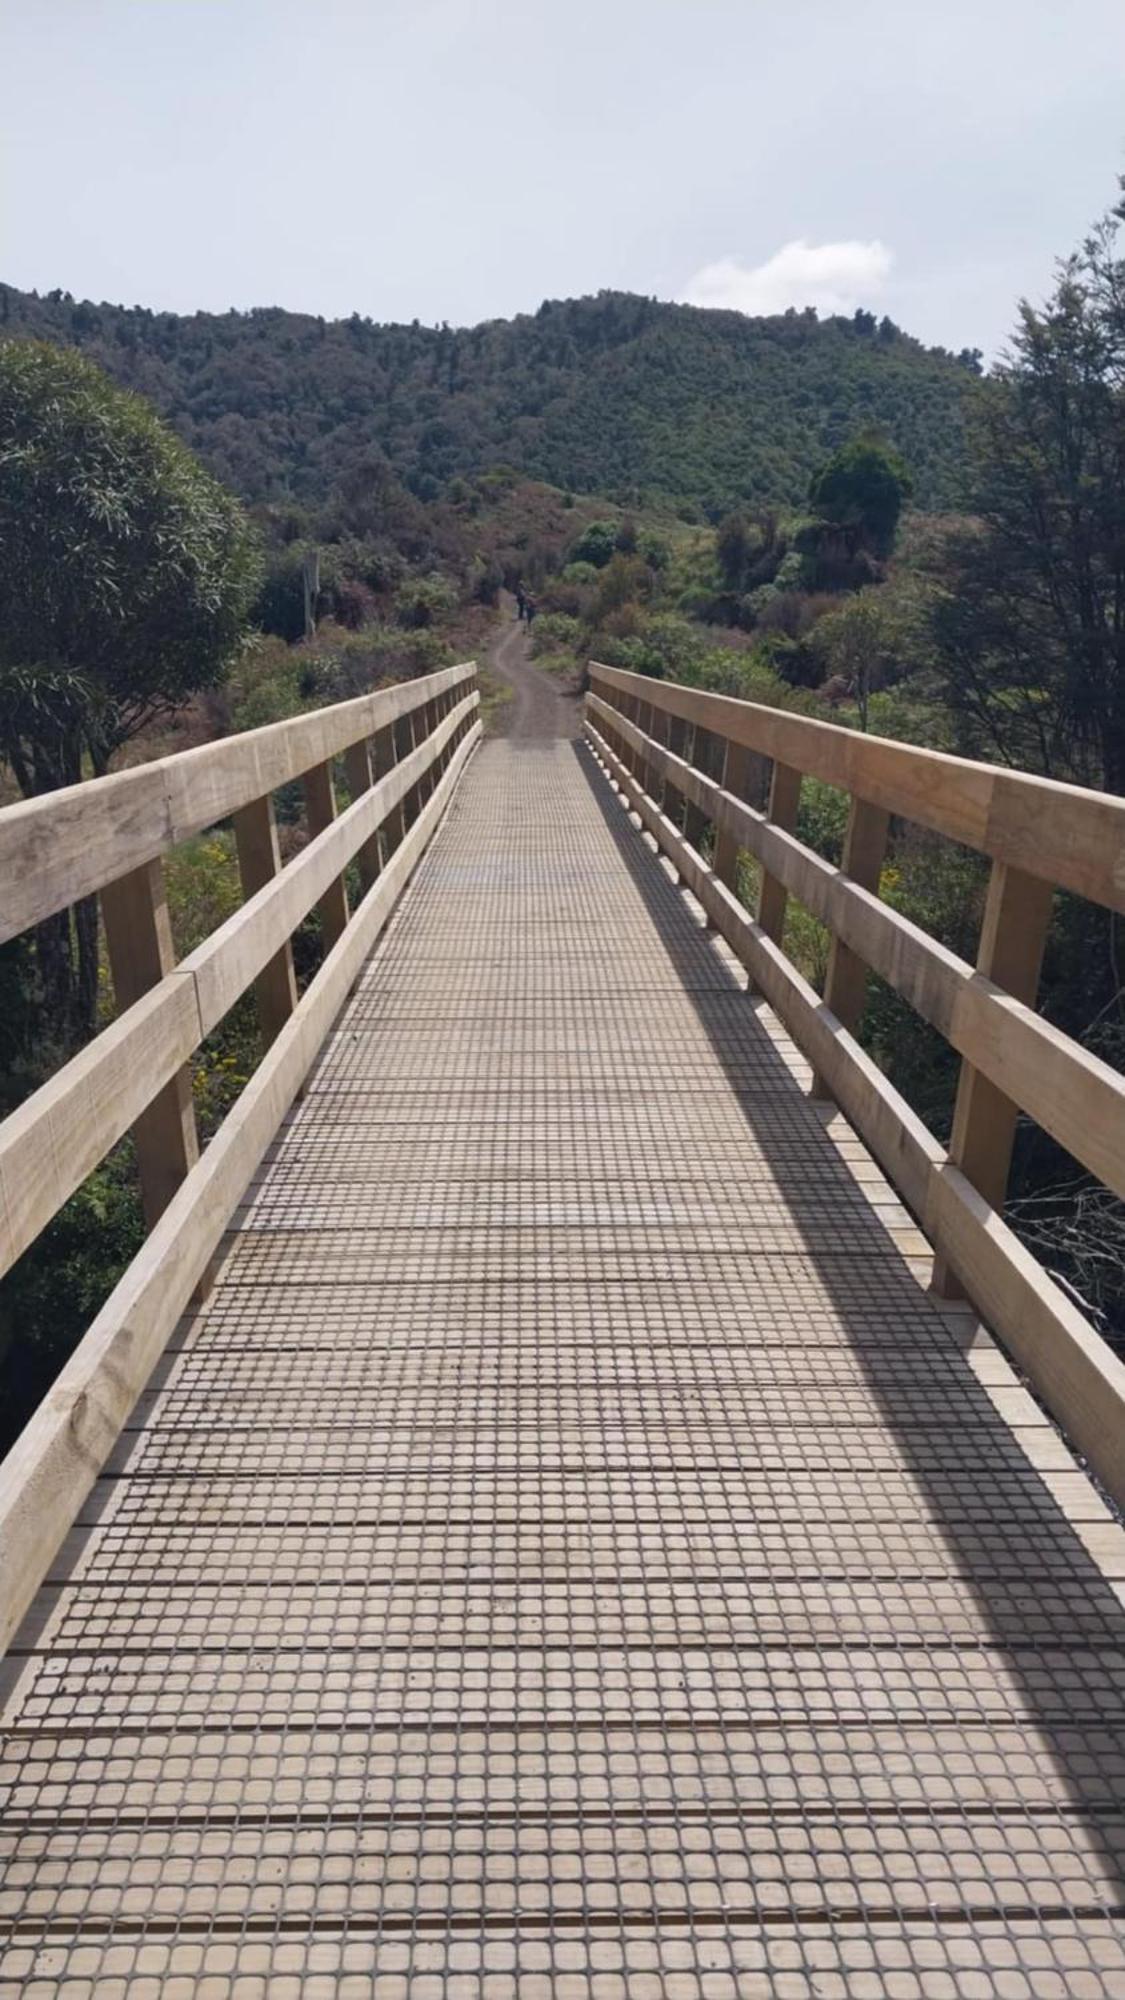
x: 619, y: 395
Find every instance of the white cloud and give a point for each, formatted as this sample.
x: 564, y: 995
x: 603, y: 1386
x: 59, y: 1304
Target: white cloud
x: 833, y: 277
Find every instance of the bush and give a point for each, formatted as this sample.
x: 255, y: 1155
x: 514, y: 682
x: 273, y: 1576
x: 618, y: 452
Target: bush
x: 597, y: 545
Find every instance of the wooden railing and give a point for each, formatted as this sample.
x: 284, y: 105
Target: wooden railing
x: 683, y: 760
x: 403, y: 750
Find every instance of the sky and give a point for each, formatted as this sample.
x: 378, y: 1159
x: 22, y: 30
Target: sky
x: 464, y: 159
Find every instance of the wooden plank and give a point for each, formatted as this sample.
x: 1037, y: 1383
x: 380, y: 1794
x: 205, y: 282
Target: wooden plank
x: 1080, y: 1379
x: 357, y: 766
x: 845, y: 986
x: 696, y: 822
x: 70, y: 1123
x: 738, y: 763
x: 56, y: 849
x: 384, y: 757
x: 139, y: 940
x: 52, y: 1466
x: 259, y: 861
x: 320, y: 811
x: 1062, y: 833
x: 784, y: 805
x: 1017, y: 917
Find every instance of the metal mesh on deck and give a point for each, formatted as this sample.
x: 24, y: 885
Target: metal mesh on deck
x: 569, y: 1554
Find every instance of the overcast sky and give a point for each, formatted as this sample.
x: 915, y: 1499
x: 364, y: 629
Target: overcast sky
x: 462, y: 159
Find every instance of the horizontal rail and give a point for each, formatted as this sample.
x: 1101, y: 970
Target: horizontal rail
x: 58, y: 1136
x: 53, y: 1464
x: 1074, y: 1096
x: 56, y: 849
x: 1030, y: 1063
x: 1063, y: 834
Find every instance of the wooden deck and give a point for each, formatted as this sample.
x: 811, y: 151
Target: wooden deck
x: 571, y: 1553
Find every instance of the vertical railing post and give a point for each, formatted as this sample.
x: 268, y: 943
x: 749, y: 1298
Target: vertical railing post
x: 1017, y: 917
x: 320, y: 811
x: 386, y: 757
x: 695, y: 819
x: 676, y: 739
x: 259, y: 859
x: 139, y: 939
x: 405, y: 741
x: 784, y: 802
x: 643, y: 720
x: 357, y: 768
x: 845, y: 985
x: 735, y: 779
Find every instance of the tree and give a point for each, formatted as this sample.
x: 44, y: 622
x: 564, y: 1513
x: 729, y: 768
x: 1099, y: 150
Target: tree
x: 861, y: 490
x: 1031, y: 625
x: 735, y: 547
x: 596, y: 544
x: 857, y: 645
x: 124, y: 587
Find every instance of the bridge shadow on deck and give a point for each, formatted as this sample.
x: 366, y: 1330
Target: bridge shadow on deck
x: 1054, y: 1619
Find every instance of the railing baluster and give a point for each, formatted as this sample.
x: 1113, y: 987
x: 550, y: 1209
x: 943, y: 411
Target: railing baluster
x: 845, y: 986
x: 405, y: 742
x: 357, y: 765
x: 737, y: 767
x: 784, y: 801
x: 695, y: 820
x: 259, y: 860
x: 386, y: 757
x: 1017, y: 917
x: 139, y: 939
x: 320, y: 811
x: 676, y: 739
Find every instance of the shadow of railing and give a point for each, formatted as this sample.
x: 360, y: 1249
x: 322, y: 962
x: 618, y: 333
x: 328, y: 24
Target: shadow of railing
x: 1034, y: 1593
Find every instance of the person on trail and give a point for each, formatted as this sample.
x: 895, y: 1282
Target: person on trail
x: 521, y: 601
x: 529, y: 609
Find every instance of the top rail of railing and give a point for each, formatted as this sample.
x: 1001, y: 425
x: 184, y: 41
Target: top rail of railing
x: 1061, y: 834
x: 404, y: 749
x: 685, y: 760
x: 68, y: 844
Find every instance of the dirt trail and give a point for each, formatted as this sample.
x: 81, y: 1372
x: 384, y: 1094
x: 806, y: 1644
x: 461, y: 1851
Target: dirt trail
x: 539, y: 709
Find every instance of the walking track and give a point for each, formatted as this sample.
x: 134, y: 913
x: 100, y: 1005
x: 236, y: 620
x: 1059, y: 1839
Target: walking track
x: 570, y: 1553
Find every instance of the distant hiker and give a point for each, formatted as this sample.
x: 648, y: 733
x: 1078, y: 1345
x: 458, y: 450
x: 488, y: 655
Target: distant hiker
x: 521, y: 601
x: 529, y: 608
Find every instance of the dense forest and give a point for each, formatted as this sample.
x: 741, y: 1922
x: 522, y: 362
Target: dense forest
x: 643, y: 402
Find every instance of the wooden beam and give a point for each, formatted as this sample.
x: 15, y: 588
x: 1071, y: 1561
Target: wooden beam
x: 139, y: 940
x: 357, y: 768
x: 1064, y: 834
x: 738, y: 762
x: 55, y: 1461
x: 1075, y: 1096
x: 259, y: 860
x: 1081, y: 1380
x: 385, y: 757
x: 60, y: 1133
x: 845, y: 986
x: 784, y: 804
x: 1017, y: 917
x: 56, y: 849
x: 234, y: 955
x: 696, y: 821
x: 320, y: 811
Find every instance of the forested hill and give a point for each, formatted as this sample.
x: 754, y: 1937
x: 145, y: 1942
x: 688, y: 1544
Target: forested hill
x: 616, y: 394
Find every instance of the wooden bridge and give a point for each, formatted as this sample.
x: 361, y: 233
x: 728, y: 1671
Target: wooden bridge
x: 532, y: 1520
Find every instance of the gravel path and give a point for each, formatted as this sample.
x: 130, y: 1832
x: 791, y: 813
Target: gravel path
x: 539, y: 709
